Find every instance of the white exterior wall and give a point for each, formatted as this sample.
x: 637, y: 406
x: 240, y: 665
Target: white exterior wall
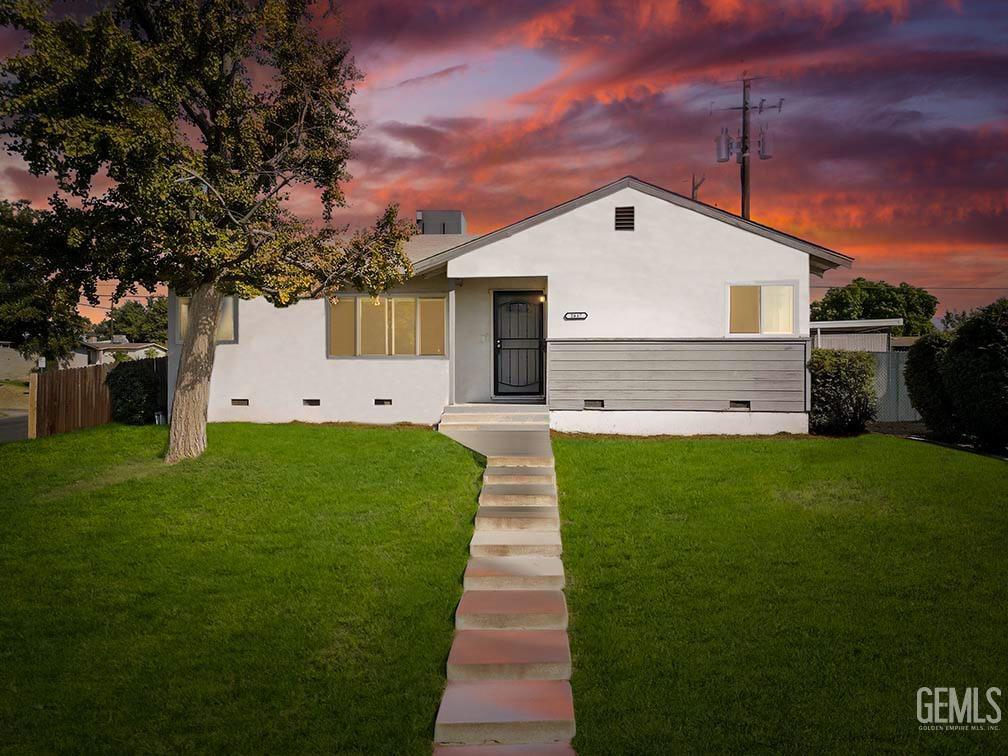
x: 678, y: 423
x: 666, y: 279
x: 280, y: 359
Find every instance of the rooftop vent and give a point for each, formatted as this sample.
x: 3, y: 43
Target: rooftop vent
x: 440, y: 222
x: 624, y: 218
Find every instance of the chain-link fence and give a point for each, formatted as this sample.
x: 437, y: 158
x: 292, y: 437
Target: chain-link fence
x: 890, y: 388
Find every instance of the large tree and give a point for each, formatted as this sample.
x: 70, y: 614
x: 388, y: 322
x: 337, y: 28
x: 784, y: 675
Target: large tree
x: 863, y: 299
x: 41, y: 282
x: 178, y: 127
x: 136, y: 321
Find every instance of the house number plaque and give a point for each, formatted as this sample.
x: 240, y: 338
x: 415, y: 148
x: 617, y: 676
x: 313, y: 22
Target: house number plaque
x: 575, y: 316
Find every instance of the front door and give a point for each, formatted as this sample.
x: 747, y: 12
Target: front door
x: 518, y: 343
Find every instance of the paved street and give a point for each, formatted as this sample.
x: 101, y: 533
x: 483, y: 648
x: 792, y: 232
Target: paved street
x: 13, y: 425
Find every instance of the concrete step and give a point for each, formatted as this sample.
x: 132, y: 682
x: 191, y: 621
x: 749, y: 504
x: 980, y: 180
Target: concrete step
x: 494, y: 425
x: 511, y: 610
x: 505, y: 711
x: 515, y: 440
x: 513, y: 475
x: 487, y: 543
x: 514, y: 573
x: 492, y: 517
x: 519, y: 494
x: 516, y: 407
x: 510, y: 655
x: 517, y: 460
x: 523, y: 749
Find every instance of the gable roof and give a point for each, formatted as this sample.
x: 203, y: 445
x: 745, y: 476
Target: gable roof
x: 821, y: 258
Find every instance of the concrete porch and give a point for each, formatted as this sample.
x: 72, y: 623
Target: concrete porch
x: 498, y: 429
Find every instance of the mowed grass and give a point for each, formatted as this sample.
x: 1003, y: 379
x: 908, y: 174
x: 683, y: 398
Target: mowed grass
x: 780, y: 595
x: 291, y: 591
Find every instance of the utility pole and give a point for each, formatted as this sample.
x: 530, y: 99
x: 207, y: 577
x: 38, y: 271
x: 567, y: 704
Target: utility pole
x: 695, y: 191
x: 727, y: 146
x: 744, y: 162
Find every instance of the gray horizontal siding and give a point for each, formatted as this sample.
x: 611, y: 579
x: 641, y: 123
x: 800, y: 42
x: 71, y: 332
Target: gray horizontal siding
x: 678, y: 374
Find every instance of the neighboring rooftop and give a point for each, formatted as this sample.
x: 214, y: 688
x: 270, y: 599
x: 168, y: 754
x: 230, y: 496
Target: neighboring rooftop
x: 422, y: 246
x: 125, y: 346
x: 856, y: 326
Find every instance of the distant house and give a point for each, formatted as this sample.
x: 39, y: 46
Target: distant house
x: 855, y: 335
x: 13, y: 367
x: 94, y: 352
x: 629, y: 309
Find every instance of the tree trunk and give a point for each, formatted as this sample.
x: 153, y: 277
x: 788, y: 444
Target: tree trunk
x: 187, y: 435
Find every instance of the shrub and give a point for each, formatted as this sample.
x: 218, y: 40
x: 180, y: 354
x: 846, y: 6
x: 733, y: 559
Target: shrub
x: 134, y: 387
x: 925, y: 381
x: 843, y: 391
x: 975, y: 372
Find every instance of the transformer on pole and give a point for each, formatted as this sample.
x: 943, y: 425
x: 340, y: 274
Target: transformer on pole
x: 726, y: 145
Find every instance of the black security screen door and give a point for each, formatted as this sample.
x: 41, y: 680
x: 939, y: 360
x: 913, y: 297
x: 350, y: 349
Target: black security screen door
x: 518, y: 343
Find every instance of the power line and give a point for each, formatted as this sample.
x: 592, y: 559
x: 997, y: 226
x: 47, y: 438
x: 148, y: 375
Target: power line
x: 936, y: 288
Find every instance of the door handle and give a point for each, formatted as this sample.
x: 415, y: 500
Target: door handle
x: 497, y: 344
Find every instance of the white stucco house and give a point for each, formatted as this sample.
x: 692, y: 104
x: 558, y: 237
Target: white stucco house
x: 630, y: 309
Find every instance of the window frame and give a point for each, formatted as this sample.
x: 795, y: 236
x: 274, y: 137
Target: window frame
x: 360, y: 299
x: 795, y: 291
x: 180, y: 337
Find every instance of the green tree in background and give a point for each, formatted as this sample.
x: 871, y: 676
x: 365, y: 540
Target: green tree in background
x: 178, y: 128
x: 862, y: 299
x: 136, y: 321
x: 40, y: 284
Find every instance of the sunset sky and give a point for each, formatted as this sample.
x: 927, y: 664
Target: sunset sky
x: 892, y: 145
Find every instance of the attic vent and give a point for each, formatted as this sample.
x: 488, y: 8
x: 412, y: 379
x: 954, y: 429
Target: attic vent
x: 624, y: 218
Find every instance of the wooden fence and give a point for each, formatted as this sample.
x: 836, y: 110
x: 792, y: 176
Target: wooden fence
x: 67, y: 400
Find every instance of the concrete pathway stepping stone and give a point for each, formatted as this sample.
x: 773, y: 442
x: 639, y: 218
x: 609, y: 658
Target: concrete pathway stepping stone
x: 508, y: 691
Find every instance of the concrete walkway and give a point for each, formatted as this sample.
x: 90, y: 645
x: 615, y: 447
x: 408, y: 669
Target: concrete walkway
x: 509, y: 669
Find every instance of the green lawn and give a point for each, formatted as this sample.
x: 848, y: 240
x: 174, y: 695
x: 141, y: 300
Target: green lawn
x: 293, y: 590
x: 780, y: 595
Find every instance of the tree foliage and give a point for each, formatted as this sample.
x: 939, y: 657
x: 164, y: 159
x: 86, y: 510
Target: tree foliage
x: 958, y: 381
x: 137, y: 321
x: 180, y: 126
x: 176, y: 129
x: 40, y: 284
x: 862, y: 299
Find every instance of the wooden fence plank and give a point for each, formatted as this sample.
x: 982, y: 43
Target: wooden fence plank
x: 65, y: 400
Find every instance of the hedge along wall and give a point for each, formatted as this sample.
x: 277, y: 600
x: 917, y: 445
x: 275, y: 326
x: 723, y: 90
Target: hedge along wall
x: 139, y: 389
x: 958, y: 381
x: 843, y: 391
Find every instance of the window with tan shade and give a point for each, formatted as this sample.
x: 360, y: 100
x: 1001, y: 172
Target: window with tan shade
x: 404, y: 325
x: 432, y: 326
x: 777, y: 309
x: 373, y: 326
x: 761, y: 309
x: 225, y: 320
x: 745, y: 309
x: 396, y: 326
x: 343, y: 327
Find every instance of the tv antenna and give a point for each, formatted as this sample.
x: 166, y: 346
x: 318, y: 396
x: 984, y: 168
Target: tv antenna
x: 696, y: 184
x: 739, y: 145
